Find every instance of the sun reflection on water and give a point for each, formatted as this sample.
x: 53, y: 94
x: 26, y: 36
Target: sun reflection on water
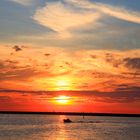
x: 62, y: 134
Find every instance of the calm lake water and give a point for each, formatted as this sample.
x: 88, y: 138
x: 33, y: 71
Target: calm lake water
x: 51, y: 127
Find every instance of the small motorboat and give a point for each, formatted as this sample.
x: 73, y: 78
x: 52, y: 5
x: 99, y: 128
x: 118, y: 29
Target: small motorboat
x: 67, y: 120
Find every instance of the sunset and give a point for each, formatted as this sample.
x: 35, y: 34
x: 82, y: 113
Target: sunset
x: 70, y: 56
x: 62, y: 100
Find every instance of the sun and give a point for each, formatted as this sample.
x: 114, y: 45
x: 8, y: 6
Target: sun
x: 63, y: 100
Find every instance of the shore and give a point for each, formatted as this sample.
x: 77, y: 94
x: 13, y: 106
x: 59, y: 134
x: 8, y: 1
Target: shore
x: 72, y: 113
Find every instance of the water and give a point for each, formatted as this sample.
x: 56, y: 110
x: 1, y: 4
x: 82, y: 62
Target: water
x: 51, y: 127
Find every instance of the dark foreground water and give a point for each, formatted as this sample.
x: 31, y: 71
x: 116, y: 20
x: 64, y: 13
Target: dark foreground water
x: 49, y: 127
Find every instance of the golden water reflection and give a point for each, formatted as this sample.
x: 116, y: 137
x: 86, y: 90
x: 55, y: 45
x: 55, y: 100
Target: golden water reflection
x: 62, y: 134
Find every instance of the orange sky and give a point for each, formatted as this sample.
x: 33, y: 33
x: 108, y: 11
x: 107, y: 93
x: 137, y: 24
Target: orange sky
x: 93, y: 80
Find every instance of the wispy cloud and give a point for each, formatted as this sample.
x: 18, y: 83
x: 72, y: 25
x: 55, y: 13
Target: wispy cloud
x: 24, y: 2
x: 92, y: 25
x: 117, y: 12
x: 61, y: 17
x: 68, y: 17
x: 100, y: 70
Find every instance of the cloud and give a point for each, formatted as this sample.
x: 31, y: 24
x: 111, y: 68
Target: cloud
x: 24, y: 2
x: 18, y: 74
x: 13, y: 69
x: 133, y: 63
x: 118, y: 59
x: 4, y: 98
x: 61, y: 17
x: 118, y: 96
x: 17, y: 48
x: 89, y: 24
x: 117, y: 12
x: 47, y: 54
x: 100, y: 70
x: 129, y: 88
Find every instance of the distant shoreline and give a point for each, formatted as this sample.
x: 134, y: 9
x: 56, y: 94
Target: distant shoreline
x: 72, y: 113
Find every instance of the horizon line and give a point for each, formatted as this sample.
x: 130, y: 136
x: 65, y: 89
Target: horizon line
x: 72, y: 113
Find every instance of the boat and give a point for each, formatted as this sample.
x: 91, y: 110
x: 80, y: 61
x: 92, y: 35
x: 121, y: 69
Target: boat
x: 67, y: 120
